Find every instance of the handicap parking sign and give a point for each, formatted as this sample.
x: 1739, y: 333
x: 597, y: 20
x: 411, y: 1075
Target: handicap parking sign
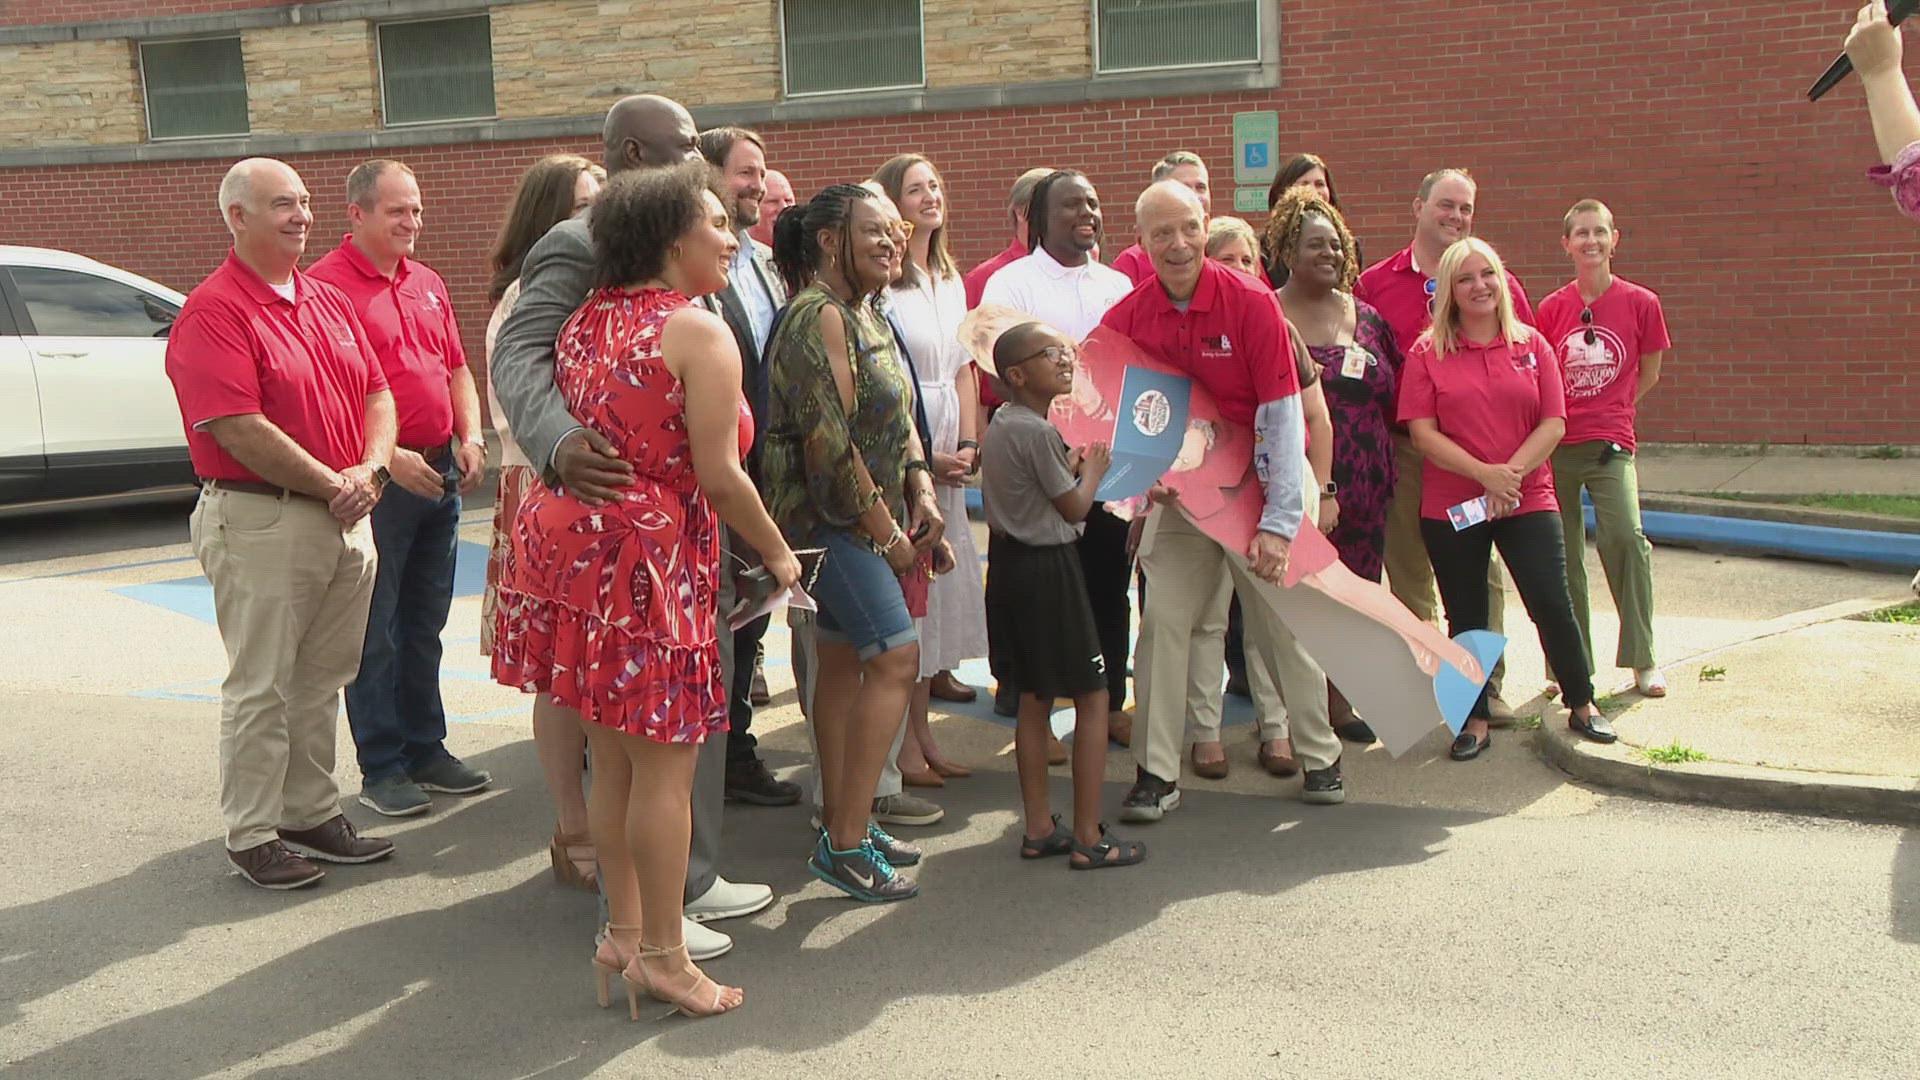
x: 1256, y: 155
x: 1256, y: 140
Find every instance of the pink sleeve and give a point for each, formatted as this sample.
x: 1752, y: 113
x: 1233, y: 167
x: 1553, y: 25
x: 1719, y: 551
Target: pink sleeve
x: 1417, y: 397
x: 210, y: 357
x: 1553, y: 395
x: 1653, y: 327
x: 1903, y: 176
x: 1521, y: 306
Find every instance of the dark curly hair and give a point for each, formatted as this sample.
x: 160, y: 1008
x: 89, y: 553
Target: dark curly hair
x: 640, y: 216
x: 1283, y: 232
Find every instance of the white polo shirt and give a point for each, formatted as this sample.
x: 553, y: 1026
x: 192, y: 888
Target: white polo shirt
x: 1071, y: 299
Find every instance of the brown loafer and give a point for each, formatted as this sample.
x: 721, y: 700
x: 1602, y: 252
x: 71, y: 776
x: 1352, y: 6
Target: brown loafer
x: 272, y: 866
x: 1279, y: 764
x: 1120, y: 727
x: 921, y: 778
x: 1056, y: 750
x: 334, y: 840
x: 947, y: 688
x: 1208, y: 770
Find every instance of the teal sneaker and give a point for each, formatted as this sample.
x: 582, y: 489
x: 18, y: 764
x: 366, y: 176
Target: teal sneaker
x: 861, y: 873
x: 896, y: 851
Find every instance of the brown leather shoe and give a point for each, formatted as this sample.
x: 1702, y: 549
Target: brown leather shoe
x: 946, y: 687
x: 1120, y: 727
x: 1056, y: 750
x: 1208, y: 770
x: 272, y: 866
x: 1279, y: 763
x: 334, y: 840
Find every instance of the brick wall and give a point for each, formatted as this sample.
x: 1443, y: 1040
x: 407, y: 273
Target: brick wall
x: 1789, y: 282
x: 39, y: 12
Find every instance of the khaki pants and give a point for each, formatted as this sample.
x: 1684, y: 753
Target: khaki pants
x: 1625, y: 554
x: 1184, y: 569
x: 291, y: 589
x: 1409, y: 574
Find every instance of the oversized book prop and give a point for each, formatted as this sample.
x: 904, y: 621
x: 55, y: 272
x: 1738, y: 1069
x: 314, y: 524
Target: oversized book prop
x: 1400, y: 673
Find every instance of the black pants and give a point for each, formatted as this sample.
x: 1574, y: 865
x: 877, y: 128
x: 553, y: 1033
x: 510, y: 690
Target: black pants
x: 746, y: 646
x: 1536, y: 558
x: 1104, y: 563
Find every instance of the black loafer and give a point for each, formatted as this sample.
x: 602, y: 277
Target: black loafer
x: 1466, y: 747
x: 1356, y: 731
x: 1595, y: 728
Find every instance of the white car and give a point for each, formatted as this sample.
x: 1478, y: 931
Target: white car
x: 85, y: 404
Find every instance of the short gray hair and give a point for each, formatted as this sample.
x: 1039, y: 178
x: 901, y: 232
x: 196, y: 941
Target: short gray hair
x: 236, y: 188
x: 1163, y: 168
x: 1172, y: 187
x: 366, y: 175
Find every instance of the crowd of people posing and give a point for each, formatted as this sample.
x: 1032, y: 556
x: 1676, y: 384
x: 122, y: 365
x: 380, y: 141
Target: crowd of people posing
x: 694, y: 374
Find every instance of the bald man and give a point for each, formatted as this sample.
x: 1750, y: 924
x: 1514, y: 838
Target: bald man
x: 290, y: 426
x: 641, y: 132
x: 777, y: 196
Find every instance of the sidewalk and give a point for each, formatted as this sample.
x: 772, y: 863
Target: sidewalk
x: 1695, y: 469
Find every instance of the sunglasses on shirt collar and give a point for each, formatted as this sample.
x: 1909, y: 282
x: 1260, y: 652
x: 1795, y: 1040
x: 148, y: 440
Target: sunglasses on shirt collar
x: 1586, y: 320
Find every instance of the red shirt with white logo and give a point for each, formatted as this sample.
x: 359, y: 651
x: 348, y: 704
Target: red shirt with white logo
x: 1231, y: 339
x: 239, y: 348
x: 1134, y: 263
x: 1602, y: 378
x: 410, y: 325
x: 1399, y: 293
x: 1487, y: 398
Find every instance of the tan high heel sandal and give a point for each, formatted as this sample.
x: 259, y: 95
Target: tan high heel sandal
x: 574, y: 861
x: 608, y: 962
x: 637, y: 979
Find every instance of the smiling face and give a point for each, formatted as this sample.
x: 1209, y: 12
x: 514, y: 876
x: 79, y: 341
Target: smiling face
x: 745, y: 181
x: 1238, y: 254
x: 270, y: 224
x: 923, y: 199
x: 1590, y: 242
x: 1446, y: 214
x: 1315, y: 258
x: 389, y: 225
x: 1073, y: 219
x: 1174, y: 235
x: 705, y: 252
x: 1046, y: 364
x: 1476, y: 289
x: 869, y: 260
x: 1195, y: 178
x: 1314, y: 180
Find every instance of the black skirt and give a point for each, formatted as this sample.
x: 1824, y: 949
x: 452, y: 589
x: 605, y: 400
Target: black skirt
x: 1041, y: 636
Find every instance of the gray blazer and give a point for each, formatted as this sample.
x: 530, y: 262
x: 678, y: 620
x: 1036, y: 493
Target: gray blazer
x: 554, y: 282
x: 753, y: 361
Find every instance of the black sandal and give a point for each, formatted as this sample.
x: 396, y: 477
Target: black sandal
x: 1129, y: 852
x: 1057, y: 842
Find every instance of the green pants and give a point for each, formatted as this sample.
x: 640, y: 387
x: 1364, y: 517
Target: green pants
x: 1625, y: 554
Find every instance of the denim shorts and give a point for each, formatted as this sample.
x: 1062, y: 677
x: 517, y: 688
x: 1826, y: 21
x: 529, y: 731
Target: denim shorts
x: 860, y: 599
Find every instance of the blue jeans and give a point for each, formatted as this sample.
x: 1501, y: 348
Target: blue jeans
x: 860, y: 599
x: 393, y: 706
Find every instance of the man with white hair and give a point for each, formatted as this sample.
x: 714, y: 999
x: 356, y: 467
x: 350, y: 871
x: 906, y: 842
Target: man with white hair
x: 1225, y: 330
x: 290, y: 426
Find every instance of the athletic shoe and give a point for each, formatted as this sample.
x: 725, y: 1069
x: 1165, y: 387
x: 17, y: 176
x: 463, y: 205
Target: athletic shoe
x: 394, y: 796
x: 728, y: 900
x: 860, y: 873
x: 451, y: 775
x: 905, y: 809
x: 1150, y: 799
x: 897, y: 852
x: 1322, y: 787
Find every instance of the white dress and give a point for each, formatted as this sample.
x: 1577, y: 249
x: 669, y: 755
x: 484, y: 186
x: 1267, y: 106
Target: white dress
x: 929, y: 314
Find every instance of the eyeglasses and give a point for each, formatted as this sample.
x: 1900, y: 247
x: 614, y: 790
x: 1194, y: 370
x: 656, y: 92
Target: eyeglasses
x: 904, y: 228
x: 1057, y: 354
x: 1586, y: 320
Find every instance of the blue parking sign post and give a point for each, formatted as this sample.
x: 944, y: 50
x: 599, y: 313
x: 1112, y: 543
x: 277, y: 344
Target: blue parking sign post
x: 1256, y: 147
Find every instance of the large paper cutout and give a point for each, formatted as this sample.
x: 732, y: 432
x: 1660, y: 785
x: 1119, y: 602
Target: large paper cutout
x: 1400, y: 672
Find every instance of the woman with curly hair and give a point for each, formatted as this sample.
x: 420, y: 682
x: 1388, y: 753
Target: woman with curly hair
x: 1302, y: 172
x: 1359, y: 364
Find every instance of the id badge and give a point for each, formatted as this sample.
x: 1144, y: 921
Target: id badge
x: 1354, y: 364
x: 1468, y: 514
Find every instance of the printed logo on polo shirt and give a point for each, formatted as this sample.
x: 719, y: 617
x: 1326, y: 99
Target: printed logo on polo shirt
x: 1589, y: 369
x: 1217, y: 344
x: 433, y: 300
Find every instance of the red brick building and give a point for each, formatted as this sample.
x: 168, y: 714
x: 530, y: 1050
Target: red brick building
x: 1790, y: 284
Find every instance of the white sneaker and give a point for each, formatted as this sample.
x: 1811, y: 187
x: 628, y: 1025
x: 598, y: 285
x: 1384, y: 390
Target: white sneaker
x: 728, y: 900
x: 703, y: 943
x: 1651, y: 682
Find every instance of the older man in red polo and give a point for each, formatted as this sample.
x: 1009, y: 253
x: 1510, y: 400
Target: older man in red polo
x: 290, y: 427
x: 394, y: 707
x: 1225, y: 330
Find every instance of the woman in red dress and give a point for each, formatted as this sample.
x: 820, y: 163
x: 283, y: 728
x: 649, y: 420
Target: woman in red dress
x: 611, y: 609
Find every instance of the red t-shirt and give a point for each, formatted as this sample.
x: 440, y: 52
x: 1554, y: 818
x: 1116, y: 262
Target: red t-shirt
x: 238, y: 348
x: 1488, y: 399
x: 1399, y: 293
x: 1602, y: 378
x: 975, y: 282
x: 409, y: 323
x: 1134, y: 263
x: 1231, y: 339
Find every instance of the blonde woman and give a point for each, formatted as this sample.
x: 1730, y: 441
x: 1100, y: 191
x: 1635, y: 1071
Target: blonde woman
x: 1231, y: 241
x: 1483, y: 399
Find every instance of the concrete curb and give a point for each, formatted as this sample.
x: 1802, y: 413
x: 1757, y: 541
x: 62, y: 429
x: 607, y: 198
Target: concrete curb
x: 1746, y: 787
x: 1786, y: 513
x: 1820, y: 543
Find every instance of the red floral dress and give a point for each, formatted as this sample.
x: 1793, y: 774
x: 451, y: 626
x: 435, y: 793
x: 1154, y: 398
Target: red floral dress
x: 613, y: 609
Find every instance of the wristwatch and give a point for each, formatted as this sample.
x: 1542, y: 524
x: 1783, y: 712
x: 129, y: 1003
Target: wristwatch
x: 1329, y: 489
x: 381, y: 474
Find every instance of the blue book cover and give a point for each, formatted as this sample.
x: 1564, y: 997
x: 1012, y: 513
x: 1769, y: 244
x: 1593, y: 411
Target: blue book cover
x: 1149, y: 424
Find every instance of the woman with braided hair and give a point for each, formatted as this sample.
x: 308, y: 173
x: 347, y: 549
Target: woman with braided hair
x: 1359, y: 365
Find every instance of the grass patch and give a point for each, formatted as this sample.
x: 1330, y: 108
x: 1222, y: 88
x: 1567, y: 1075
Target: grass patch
x: 1906, y: 614
x: 1883, y: 452
x: 1526, y: 723
x: 1673, y: 753
x: 1606, y: 703
x: 1712, y: 673
x: 1900, y: 506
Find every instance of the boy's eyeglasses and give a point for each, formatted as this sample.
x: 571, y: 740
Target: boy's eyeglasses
x: 1056, y: 354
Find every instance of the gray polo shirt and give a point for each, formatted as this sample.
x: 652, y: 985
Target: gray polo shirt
x: 1023, y: 468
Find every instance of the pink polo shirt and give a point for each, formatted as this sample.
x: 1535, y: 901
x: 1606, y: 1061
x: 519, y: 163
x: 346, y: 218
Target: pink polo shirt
x: 409, y: 323
x: 1602, y: 378
x: 1134, y: 263
x: 239, y: 348
x: 1399, y: 293
x: 1487, y: 398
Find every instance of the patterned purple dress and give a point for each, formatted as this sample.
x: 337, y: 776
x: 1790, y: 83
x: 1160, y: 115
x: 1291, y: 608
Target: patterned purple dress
x: 1362, y: 444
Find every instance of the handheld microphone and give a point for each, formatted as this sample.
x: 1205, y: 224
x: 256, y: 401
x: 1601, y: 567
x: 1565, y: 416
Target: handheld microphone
x: 1897, y: 13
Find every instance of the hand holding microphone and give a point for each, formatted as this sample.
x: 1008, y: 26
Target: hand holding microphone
x: 1873, y: 46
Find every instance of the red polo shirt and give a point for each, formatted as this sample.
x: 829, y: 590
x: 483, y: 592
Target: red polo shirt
x: 1231, y: 339
x: 1399, y: 293
x: 410, y: 325
x: 976, y: 278
x: 1134, y: 263
x: 239, y: 348
x: 1487, y: 398
x: 1601, y: 378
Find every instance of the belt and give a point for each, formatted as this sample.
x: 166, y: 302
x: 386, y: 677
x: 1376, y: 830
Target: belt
x: 257, y: 487
x: 436, y: 455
